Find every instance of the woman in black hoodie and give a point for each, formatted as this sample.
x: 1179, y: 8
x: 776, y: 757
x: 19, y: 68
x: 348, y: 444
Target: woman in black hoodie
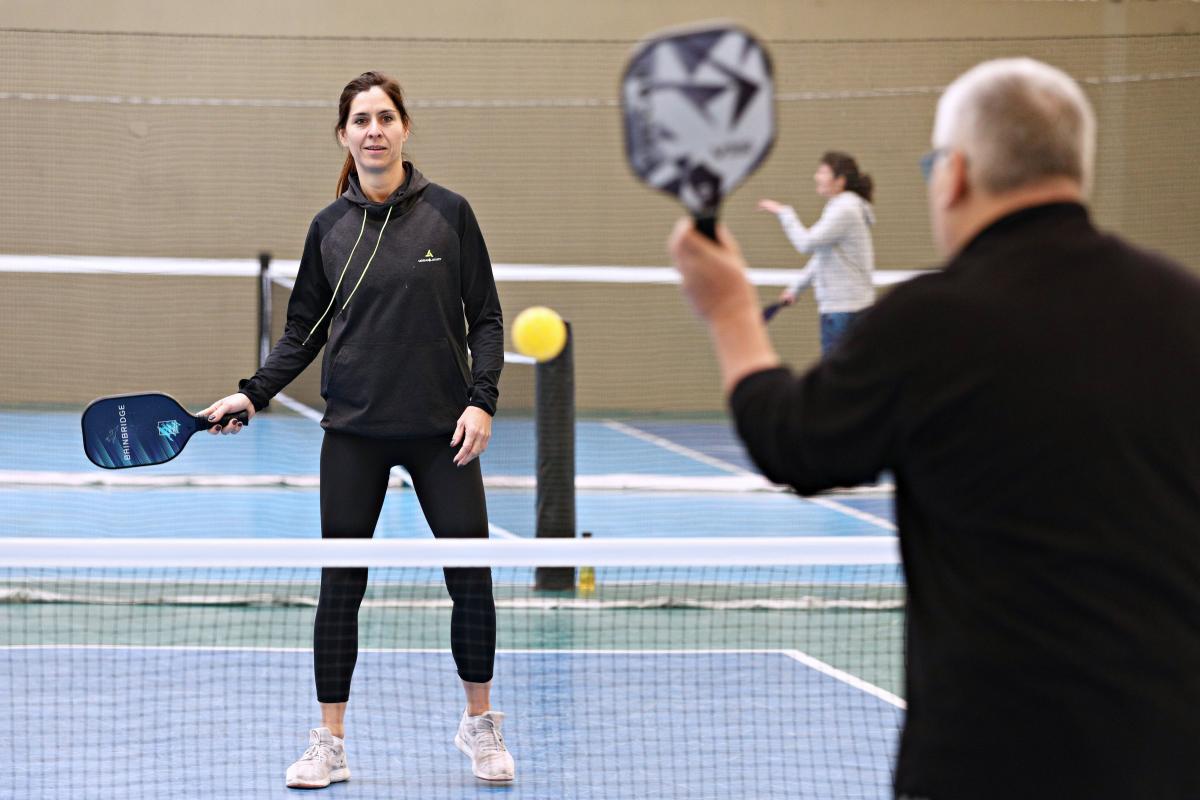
x: 388, y: 270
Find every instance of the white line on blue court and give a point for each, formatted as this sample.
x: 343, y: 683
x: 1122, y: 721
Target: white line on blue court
x: 397, y: 472
x: 704, y: 458
x: 674, y: 447
x: 800, y: 657
x: 503, y: 533
x: 846, y: 677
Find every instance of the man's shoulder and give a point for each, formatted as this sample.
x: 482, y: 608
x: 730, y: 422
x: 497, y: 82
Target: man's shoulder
x: 922, y: 311
x: 1144, y: 256
x: 929, y: 284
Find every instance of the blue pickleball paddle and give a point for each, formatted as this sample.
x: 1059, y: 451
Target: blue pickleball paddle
x: 138, y: 430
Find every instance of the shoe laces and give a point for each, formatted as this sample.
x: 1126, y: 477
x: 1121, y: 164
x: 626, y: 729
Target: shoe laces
x: 488, y: 739
x: 321, y: 751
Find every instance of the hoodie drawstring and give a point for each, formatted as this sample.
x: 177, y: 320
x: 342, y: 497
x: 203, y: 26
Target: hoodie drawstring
x: 333, y: 297
x: 369, y: 260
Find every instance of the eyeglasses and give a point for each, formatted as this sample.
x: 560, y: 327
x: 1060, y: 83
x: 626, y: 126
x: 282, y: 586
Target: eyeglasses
x: 929, y: 159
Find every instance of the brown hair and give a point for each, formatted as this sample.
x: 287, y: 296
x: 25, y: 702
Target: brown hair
x: 844, y: 166
x: 364, y: 83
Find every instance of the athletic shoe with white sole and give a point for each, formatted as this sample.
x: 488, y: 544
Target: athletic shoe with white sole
x: 480, y: 739
x: 323, y: 763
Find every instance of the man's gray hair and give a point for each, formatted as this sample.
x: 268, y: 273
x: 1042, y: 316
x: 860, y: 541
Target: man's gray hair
x: 1018, y: 121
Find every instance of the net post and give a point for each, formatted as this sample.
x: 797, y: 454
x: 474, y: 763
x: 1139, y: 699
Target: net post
x: 555, y: 399
x: 264, y: 306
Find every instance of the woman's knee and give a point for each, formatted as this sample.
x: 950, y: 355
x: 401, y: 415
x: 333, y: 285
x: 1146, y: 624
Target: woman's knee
x: 343, y: 585
x: 469, y: 584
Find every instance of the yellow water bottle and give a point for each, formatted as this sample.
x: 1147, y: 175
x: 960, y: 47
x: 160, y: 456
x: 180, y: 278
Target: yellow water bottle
x: 587, y: 575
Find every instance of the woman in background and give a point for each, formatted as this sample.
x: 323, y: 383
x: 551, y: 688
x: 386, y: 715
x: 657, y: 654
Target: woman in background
x: 843, y: 256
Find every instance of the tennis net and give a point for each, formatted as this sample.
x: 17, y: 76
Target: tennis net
x: 645, y: 463
x: 746, y: 668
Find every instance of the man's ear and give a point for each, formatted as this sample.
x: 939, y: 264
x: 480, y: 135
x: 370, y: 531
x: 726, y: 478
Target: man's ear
x: 954, y: 179
x: 948, y: 185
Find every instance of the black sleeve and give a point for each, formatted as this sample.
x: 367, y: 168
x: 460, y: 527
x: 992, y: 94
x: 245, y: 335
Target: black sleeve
x: 833, y: 426
x: 485, y: 322
x: 306, y: 331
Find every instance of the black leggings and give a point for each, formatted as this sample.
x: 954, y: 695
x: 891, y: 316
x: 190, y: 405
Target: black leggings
x: 354, y: 478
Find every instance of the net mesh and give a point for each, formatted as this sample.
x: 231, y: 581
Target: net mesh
x: 643, y: 463
x: 126, y: 325
x: 142, y: 661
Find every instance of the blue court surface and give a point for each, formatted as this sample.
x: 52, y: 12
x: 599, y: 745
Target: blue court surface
x: 41, y: 453
x: 580, y: 725
x: 711, y: 699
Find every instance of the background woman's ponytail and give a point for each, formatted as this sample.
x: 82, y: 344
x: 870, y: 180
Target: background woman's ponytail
x: 864, y: 187
x: 844, y: 166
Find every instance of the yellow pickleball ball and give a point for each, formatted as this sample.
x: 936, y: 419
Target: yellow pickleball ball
x: 539, y: 332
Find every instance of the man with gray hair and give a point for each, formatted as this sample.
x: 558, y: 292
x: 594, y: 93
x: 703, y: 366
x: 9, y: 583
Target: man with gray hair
x: 1037, y: 403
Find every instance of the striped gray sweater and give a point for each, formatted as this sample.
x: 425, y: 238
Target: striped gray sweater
x: 843, y: 257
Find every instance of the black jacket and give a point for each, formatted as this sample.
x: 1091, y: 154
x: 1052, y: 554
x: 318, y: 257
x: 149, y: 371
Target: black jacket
x: 1039, y: 404
x: 396, y: 364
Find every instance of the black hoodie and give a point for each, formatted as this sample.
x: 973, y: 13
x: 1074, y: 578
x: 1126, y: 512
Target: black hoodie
x: 387, y: 284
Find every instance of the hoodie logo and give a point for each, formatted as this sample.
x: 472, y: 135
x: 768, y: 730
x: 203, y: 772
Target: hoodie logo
x: 429, y: 256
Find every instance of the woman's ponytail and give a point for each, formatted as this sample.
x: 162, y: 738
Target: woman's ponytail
x: 844, y: 166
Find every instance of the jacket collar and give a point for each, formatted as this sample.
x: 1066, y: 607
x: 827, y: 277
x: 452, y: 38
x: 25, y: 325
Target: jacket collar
x: 400, y: 200
x: 1053, y: 215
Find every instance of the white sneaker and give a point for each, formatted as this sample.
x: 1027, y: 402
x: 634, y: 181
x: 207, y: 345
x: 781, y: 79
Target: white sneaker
x: 323, y: 763
x: 480, y: 738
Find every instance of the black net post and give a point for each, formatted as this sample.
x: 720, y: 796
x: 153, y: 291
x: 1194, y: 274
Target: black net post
x: 264, y: 307
x: 555, y: 398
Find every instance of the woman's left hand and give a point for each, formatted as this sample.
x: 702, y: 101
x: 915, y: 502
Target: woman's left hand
x: 771, y: 206
x: 474, y: 431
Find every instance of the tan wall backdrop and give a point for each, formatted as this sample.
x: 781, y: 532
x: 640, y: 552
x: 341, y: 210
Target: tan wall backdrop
x: 171, y: 130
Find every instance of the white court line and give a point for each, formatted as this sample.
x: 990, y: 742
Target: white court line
x: 812, y: 663
x: 667, y: 444
x: 316, y: 416
x: 687, y: 452
x: 846, y: 678
x: 298, y: 407
x: 397, y: 472
x: 677, y: 485
x: 862, y: 516
x: 503, y: 533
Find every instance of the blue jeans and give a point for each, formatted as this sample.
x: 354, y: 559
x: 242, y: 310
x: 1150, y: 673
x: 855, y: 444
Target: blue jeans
x: 833, y: 326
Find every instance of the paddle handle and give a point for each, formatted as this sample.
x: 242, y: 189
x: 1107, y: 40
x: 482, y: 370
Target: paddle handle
x: 770, y: 311
x: 202, y: 423
x: 707, y: 225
